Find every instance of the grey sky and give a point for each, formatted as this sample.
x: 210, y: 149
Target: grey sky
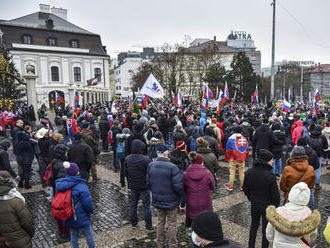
x: 302, y: 34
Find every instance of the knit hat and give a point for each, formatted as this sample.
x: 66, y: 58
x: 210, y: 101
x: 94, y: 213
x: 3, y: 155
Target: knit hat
x: 214, y: 120
x: 202, y: 143
x: 5, y: 143
x: 181, y: 146
x: 264, y: 156
x: 41, y: 133
x: 302, y: 141
x: 207, y: 225
x: 126, y: 131
x: 162, y: 148
x: 71, y: 169
x: 195, y: 158
x: 299, y: 194
x: 158, y: 135
x: 298, y: 151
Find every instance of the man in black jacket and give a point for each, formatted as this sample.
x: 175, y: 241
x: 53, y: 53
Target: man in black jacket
x: 262, y: 138
x: 261, y: 189
x: 136, y: 166
x: 137, y: 134
x: 82, y: 155
x: 44, y: 144
x: 4, y: 159
x: 104, y: 127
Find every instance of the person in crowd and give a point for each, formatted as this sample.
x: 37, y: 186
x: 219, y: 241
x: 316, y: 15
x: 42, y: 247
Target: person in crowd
x: 136, y: 165
x: 207, y: 231
x: 277, y: 148
x: 58, y: 138
x: 210, y: 160
x: 319, y: 143
x: 261, y: 189
x: 326, y: 134
x: 179, y: 134
x: 137, y: 134
x: 198, y: 182
x: 170, y: 124
x: 179, y: 156
x: 121, y: 152
x: 16, y: 225
x: 4, y: 159
x: 195, y: 133
x: 44, y: 143
x: 150, y: 130
x: 216, y: 130
x: 82, y: 155
x: 82, y: 203
x: 262, y: 138
x: 294, y: 224
x: 297, y: 131
x: 18, y: 127
x: 155, y: 141
x: 237, y: 152
x: 209, y: 136
x: 165, y: 181
x: 104, y: 127
x: 202, y: 121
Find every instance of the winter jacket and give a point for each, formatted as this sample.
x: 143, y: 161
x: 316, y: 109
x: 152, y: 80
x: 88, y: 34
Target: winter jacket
x: 136, y: 166
x: 13, y: 135
x: 312, y: 157
x: 278, y: 142
x: 81, y: 154
x: 317, y: 141
x: 198, y: 181
x: 202, y: 121
x: 297, y: 132
x: 81, y: 198
x: 104, y: 127
x: 262, y: 139
x: 260, y: 186
x: 179, y: 135
x: 210, y: 160
x: 4, y: 160
x: 170, y: 124
x: 24, y: 148
x: 293, y: 171
x: 59, y: 158
x: 216, y: 132
x: 195, y: 133
x: 44, y: 147
x: 16, y: 224
x: 213, y: 144
x: 154, y: 143
x: 288, y: 224
x: 247, y: 130
x: 134, y: 136
x: 166, y: 183
x: 88, y: 138
x: 326, y: 134
x: 179, y: 158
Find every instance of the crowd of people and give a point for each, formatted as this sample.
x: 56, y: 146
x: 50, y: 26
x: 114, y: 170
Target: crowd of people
x: 168, y: 157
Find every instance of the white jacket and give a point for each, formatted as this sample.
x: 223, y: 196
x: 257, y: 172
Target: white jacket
x: 288, y: 224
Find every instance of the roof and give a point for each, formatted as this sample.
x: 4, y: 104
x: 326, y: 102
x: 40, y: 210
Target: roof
x: 221, y: 47
x: 322, y: 68
x: 38, y: 20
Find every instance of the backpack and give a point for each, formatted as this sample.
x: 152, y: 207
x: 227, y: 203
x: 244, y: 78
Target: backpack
x: 193, y: 144
x: 110, y: 137
x: 49, y: 175
x: 62, y: 205
x: 120, y: 150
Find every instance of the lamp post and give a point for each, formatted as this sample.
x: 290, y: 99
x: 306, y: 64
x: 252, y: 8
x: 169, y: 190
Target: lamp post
x: 30, y: 79
x: 272, y: 88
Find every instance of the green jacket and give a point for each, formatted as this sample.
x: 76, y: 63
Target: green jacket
x: 210, y: 160
x: 16, y: 224
x: 87, y: 138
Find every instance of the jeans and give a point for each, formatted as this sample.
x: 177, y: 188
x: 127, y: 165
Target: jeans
x: 258, y: 212
x: 43, y: 163
x: 171, y: 216
x: 170, y: 140
x: 233, y: 166
x: 277, y: 166
x: 122, y: 172
x: 287, y: 144
x: 84, y: 174
x: 311, y: 203
x: 116, y: 162
x: 318, y: 171
x: 145, y: 196
x: 88, y: 231
x: 25, y: 173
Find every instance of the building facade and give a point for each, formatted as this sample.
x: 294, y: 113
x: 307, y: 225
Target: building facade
x: 64, y: 56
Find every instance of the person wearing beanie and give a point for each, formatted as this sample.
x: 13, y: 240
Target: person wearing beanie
x: 179, y: 156
x: 82, y: 202
x: 277, y: 147
x: 261, y: 189
x: 121, y: 140
x: 216, y: 130
x: 297, y: 170
x: 155, y: 141
x: 294, y: 224
x: 213, y: 144
x: 137, y: 134
x: 4, y: 159
x: 207, y: 231
x: 165, y: 181
x: 210, y: 159
x: 237, y: 152
x: 262, y: 139
x: 198, y: 182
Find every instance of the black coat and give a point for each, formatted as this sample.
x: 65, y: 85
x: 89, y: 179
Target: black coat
x: 170, y: 124
x: 213, y: 145
x: 59, y: 158
x: 180, y: 159
x: 262, y: 139
x: 44, y: 145
x: 136, y: 166
x: 312, y: 157
x: 260, y: 186
x: 277, y: 142
x: 317, y: 141
x: 138, y: 136
x: 81, y: 154
x: 4, y: 160
x: 179, y: 135
x: 104, y: 127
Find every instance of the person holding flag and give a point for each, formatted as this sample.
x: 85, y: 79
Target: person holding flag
x: 255, y: 96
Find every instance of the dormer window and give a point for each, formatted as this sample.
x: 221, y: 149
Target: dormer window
x: 27, y: 39
x: 51, y: 41
x: 74, y: 43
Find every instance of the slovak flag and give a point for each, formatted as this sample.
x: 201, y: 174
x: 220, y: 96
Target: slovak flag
x: 226, y: 92
x: 174, y: 98
x: 219, y: 105
x: 317, y: 95
x: 207, y: 94
x: 75, y: 100
x: 217, y: 94
x: 145, y: 101
x: 255, y: 96
x: 286, y: 106
x: 237, y: 148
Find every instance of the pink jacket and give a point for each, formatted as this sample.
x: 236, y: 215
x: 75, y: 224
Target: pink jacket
x: 198, y: 181
x: 297, y: 132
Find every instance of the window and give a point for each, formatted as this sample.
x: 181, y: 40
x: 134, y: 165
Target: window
x: 27, y: 39
x: 55, y: 74
x: 97, y: 72
x: 51, y: 41
x: 126, y: 88
x: 74, y: 43
x: 77, y: 74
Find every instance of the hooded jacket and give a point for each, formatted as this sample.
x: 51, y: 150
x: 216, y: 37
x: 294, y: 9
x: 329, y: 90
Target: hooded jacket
x: 104, y: 127
x: 317, y: 141
x: 4, y: 159
x: 293, y: 171
x: 24, y: 148
x: 198, y: 181
x: 81, y: 154
x: 202, y: 121
x: 59, y: 158
x: 288, y: 224
x: 278, y: 140
x: 81, y: 199
x: 262, y: 139
x: 297, y: 132
x: 16, y: 224
x: 136, y: 166
x: 210, y: 160
x: 138, y: 134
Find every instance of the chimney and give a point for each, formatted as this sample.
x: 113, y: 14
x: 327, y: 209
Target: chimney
x: 45, y: 8
x: 62, y: 13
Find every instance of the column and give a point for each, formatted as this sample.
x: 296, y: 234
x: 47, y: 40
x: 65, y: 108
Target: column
x: 30, y: 80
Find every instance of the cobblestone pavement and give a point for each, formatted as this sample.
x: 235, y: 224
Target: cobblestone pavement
x: 110, y: 220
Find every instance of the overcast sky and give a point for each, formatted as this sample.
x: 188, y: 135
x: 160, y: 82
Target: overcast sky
x: 302, y: 29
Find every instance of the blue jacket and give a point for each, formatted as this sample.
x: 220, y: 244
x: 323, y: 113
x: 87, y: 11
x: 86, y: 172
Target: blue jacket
x: 24, y: 148
x: 166, y: 183
x: 202, y: 121
x: 81, y: 198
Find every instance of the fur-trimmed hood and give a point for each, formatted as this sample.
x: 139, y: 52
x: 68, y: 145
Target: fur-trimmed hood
x: 298, y: 162
x: 293, y: 228
x: 155, y: 142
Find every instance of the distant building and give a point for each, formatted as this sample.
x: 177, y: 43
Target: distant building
x: 64, y: 56
x: 319, y: 78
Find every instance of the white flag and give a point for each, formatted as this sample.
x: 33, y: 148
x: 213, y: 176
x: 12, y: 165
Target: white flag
x: 152, y: 88
x: 179, y: 98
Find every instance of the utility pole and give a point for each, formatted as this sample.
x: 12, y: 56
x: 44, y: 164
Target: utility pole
x: 273, y: 54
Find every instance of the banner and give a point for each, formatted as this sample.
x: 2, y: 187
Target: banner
x: 152, y: 88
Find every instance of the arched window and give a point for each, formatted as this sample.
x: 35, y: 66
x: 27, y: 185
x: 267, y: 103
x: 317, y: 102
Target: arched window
x: 55, y: 73
x: 77, y: 74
